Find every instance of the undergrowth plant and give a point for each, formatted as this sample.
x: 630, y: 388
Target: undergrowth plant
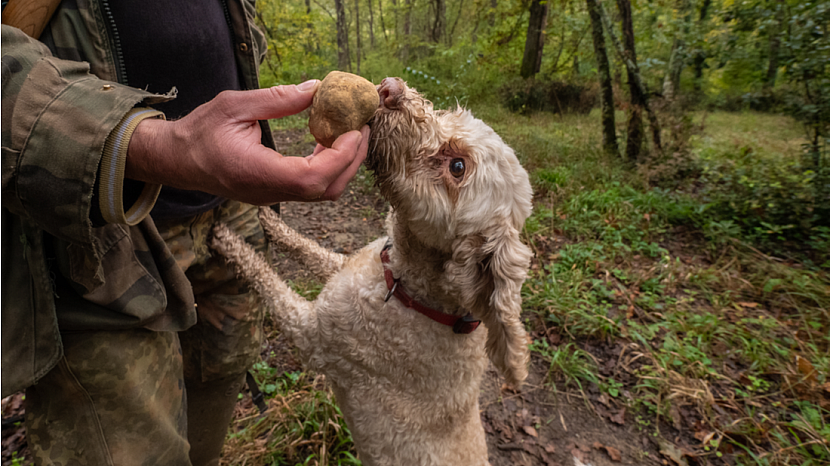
x: 713, y: 327
x: 302, y: 424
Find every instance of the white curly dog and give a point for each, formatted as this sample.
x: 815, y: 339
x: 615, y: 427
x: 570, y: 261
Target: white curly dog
x: 394, y: 329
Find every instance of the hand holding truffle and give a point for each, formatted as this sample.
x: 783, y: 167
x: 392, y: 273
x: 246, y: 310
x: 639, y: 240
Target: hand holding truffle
x: 217, y: 149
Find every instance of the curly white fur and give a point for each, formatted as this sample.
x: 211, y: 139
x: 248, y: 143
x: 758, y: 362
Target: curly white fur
x: 408, y: 386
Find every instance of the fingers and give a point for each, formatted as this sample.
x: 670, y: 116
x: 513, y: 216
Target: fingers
x: 339, y: 185
x: 323, y: 176
x: 272, y: 102
x: 339, y: 161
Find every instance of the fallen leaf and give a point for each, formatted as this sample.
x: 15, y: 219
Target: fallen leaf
x: 488, y: 428
x: 613, y: 453
x: 530, y: 447
x: 673, y: 453
x: 550, y: 448
x: 603, y: 398
x: 676, y: 418
x: 704, y: 436
x: 805, y: 368
x: 619, y: 418
x: 530, y: 430
x: 750, y: 305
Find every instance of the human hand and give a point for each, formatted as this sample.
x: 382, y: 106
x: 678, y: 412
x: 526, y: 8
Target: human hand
x: 217, y: 149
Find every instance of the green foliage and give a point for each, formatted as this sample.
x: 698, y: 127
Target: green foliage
x: 527, y: 96
x: 764, y: 192
x: 303, y: 424
x: 298, y: 47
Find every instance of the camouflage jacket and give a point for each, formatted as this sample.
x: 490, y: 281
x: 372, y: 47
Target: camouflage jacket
x: 60, y: 101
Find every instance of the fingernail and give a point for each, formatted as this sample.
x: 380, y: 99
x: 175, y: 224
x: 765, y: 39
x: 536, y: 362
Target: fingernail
x: 308, y: 85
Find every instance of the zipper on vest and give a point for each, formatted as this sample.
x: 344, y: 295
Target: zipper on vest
x: 120, y: 67
x: 228, y: 18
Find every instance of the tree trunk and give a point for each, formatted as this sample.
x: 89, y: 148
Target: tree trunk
x: 491, y: 18
x: 407, y: 30
x: 609, y: 131
x: 395, y: 11
x: 343, y: 61
x: 440, y: 25
x: 535, y: 42
x: 357, y: 31
x: 455, y: 23
x: 371, y: 25
x: 474, y: 33
x: 774, y: 46
x: 633, y: 72
x: 312, y: 44
x: 634, y: 139
x: 700, y: 55
x: 671, y: 83
x: 382, y: 23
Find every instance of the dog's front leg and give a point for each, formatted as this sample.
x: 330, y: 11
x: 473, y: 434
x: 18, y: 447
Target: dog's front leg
x: 322, y: 262
x: 295, y: 315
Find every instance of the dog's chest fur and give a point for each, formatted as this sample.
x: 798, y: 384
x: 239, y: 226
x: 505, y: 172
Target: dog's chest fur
x: 430, y: 377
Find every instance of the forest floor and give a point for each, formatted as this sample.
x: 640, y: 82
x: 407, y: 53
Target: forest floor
x: 654, y: 342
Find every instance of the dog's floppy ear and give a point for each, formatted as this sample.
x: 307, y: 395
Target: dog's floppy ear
x: 489, y: 272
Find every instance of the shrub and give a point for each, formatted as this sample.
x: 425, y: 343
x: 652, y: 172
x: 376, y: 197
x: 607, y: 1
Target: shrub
x: 534, y: 95
x: 772, y: 201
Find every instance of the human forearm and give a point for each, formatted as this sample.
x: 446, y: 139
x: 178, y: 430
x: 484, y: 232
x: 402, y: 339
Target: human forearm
x: 217, y: 149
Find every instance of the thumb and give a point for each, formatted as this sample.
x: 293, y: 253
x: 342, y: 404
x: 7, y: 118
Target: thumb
x: 274, y: 102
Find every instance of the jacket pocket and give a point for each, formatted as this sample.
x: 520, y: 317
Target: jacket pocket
x: 138, y: 282
x: 31, y: 342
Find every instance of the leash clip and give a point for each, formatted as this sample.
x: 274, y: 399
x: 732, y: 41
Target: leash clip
x: 391, y: 291
x: 466, y: 324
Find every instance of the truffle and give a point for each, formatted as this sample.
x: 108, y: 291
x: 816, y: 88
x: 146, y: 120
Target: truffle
x: 344, y: 102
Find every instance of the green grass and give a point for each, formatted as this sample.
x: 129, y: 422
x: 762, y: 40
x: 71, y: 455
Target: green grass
x: 302, y: 425
x: 716, y: 325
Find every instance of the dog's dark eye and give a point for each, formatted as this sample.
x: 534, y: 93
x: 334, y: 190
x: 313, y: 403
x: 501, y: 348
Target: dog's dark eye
x: 457, y: 167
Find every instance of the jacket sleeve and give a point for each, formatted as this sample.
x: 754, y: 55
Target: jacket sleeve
x: 56, y: 120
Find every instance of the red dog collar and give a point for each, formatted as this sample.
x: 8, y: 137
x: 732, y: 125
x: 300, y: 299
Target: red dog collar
x: 463, y: 324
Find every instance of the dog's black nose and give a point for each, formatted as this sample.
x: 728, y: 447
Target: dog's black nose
x: 390, y: 90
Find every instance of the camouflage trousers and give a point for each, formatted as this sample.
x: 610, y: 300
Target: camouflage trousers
x: 120, y: 397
